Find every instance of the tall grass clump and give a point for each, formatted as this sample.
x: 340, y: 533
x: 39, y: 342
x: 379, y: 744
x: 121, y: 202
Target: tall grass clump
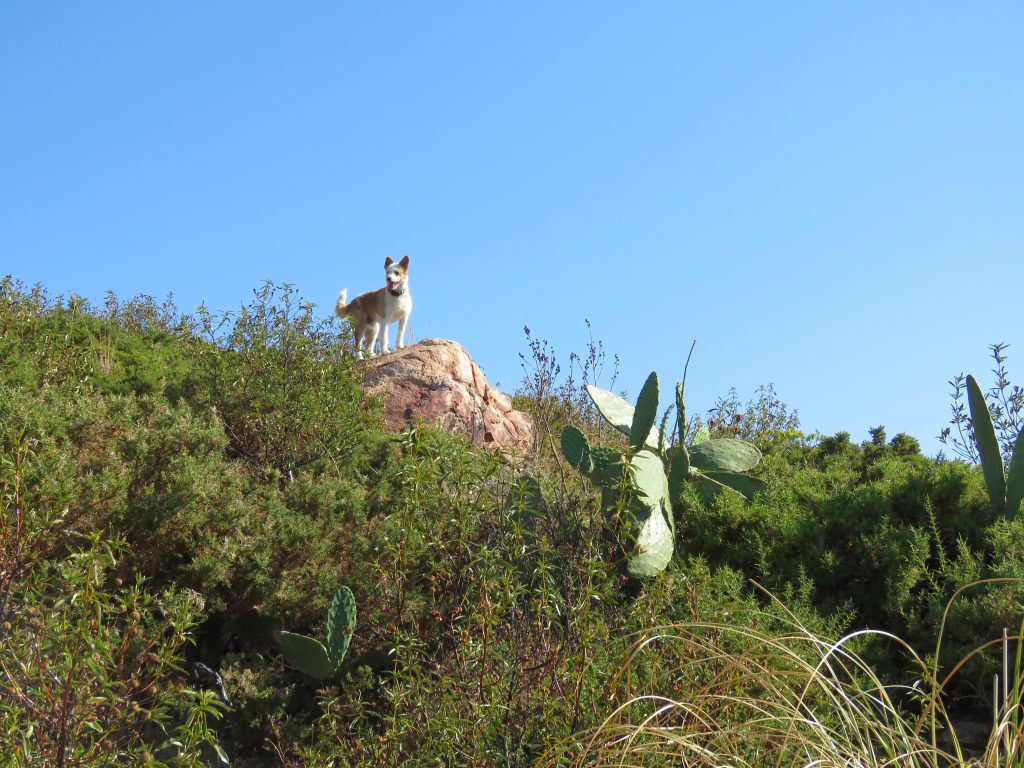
x: 774, y: 692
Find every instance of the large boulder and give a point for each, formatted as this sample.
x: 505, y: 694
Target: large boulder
x: 437, y: 381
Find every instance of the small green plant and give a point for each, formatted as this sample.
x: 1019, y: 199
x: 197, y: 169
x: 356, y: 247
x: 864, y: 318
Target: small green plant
x: 638, y: 485
x: 1005, y: 489
x: 308, y: 655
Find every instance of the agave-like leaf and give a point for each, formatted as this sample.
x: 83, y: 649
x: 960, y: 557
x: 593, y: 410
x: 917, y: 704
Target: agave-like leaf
x: 680, y: 413
x: 341, y: 623
x: 740, y: 483
x: 646, y: 413
x: 306, y: 654
x: 1015, y: 480
x: 988, y: 446
x: 618, y: 412
x: 663, y: 431
x: 577, y: 450
x: 725, y: 454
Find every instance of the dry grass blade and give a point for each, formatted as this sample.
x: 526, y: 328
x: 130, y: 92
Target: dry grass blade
x: 776, y: 694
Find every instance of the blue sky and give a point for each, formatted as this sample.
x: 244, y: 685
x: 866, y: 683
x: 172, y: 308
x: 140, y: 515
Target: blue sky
x: 828, y: 196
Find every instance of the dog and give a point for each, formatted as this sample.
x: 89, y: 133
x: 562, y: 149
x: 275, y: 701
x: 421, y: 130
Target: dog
x: 373, y: 311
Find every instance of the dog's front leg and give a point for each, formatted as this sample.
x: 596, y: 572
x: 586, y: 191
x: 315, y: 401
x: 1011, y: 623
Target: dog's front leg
x: 401, y: 331
x: 384, y: 342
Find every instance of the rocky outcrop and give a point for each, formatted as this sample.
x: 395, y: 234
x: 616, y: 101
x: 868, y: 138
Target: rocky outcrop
x: 437, y: 381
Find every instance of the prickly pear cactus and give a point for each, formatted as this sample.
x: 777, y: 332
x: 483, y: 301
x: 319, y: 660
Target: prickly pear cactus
x: 657, y: 470
x: 309, y: 655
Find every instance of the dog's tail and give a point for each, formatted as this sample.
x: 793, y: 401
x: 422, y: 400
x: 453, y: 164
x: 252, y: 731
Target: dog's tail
x: 341, y: 307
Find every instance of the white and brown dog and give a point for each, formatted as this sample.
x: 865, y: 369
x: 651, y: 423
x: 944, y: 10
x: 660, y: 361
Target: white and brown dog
x: 374, y: 310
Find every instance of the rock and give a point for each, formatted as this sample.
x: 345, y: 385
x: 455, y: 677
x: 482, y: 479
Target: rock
x: 436, y: 380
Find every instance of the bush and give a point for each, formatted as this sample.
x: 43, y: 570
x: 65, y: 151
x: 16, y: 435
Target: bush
x: 93, y: 669
x: 229, y: 471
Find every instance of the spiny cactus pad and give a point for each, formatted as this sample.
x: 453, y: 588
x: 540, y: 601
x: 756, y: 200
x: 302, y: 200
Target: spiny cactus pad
x: 645, y: 414
x: 577, y: 450
x: 341, y: 623
x: 655, y: 539
x: 306, y: 654
x: 618, y: 413
x: 728, y: 455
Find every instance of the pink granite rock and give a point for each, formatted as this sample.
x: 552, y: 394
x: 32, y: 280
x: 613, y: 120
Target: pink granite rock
x: 436, y: 380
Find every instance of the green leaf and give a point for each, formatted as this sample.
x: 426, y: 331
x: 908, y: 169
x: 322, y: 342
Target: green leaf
x: 735, y: 481
x: 576, y: 450
x: 663, y: 431
x: 305, y: 654
x: 646, y: 413
x: 341, y: 624
x: 702, y: 435
x: 526, y: 501
x: 617, y: 412
x: 680, y: 413
x: 1015, y: 481
x: 726, y: 454
x: 988, y: 446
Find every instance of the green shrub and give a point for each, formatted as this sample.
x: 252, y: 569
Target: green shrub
x: 92, y: 669
x: 233, y: 463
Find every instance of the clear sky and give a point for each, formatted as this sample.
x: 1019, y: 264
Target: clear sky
x: 828, y: 195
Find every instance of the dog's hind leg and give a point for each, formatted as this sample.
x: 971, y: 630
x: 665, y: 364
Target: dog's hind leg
x: 359, y: 331
x: 372, y: 329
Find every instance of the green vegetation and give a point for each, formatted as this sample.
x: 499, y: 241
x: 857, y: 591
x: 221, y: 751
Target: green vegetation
x: 1005, y: 492
x: 638, y: 485
x: 179, y: 490
x: 309, y: 655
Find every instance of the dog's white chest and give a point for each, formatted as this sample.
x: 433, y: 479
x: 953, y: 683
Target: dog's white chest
x: 398, y: 306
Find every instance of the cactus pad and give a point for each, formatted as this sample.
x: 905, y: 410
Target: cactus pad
x: 646, y: 414
x: 577, y: 450
x: 306, y: 655
x: 341, y: 623
x: 728, y: 455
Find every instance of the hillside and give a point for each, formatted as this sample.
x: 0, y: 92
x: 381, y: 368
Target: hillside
x: 179, y: 490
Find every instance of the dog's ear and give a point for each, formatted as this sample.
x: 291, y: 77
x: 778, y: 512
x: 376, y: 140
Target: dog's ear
x: 388, y: 262
x: 404, y: 263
